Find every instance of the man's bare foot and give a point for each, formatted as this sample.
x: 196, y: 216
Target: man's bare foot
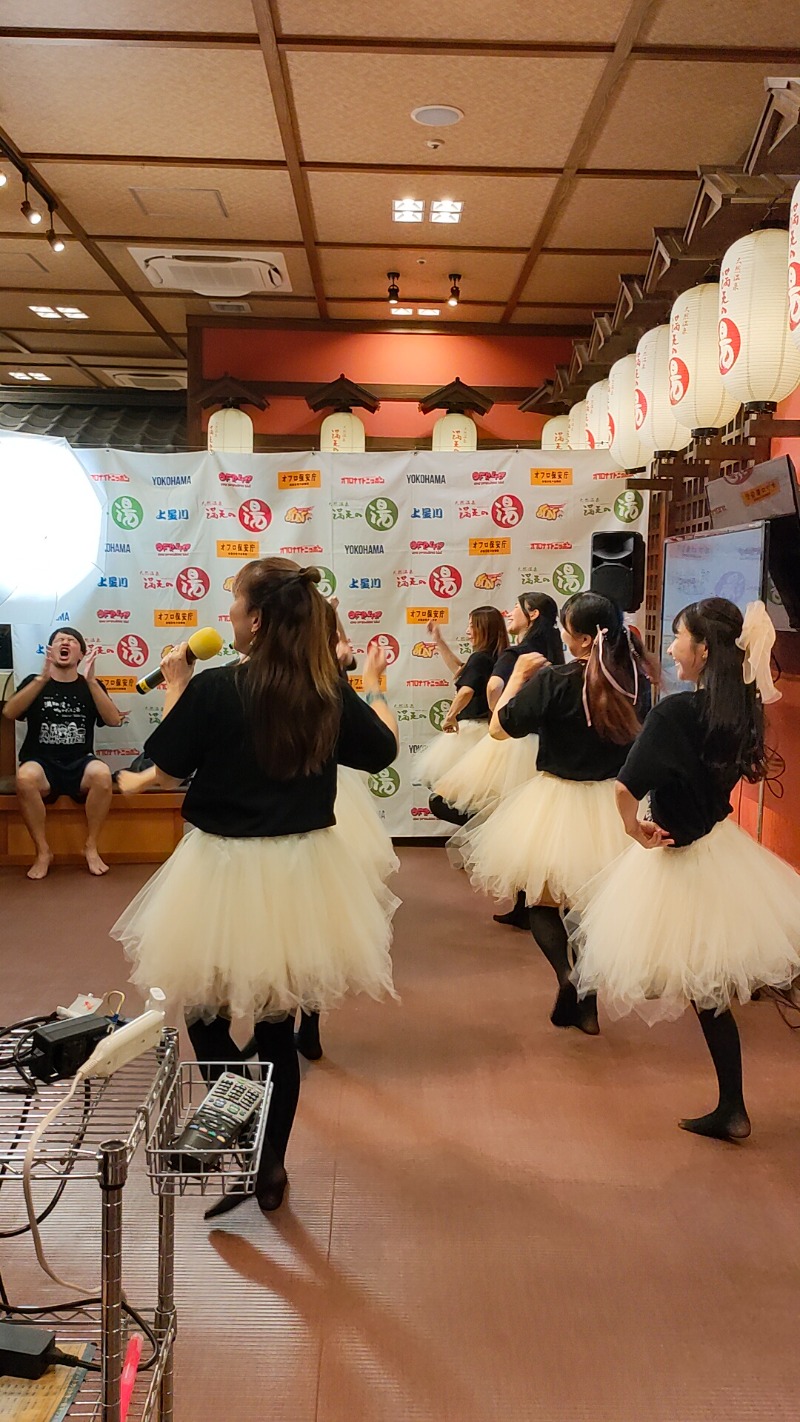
x: 40, y: 866
x: 95, y: 863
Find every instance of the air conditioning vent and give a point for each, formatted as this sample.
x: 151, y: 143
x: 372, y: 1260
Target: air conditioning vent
x: 231, y: 308
x: 148, y: 379
x: 214, y: 273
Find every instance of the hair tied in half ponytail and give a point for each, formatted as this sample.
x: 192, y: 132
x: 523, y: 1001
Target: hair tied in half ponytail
x: 602, y: 633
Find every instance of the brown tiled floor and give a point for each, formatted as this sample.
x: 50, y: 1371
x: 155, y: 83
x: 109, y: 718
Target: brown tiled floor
x: 487, y: 1219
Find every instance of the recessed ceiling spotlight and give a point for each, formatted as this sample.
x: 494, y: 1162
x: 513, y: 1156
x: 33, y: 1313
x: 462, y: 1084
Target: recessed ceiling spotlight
x: 408, y: 210
x: 444, y: 210
x: 455, y: 289
x: 437, y: 115
x: 403, y: 311
x: 428, y: 311
x: 394, y: 289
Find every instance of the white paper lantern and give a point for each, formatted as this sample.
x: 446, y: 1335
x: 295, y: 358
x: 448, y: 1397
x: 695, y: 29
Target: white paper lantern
x: 555, y: 433
x: 696, y: 392
x: 659, y: 431
x: 627, y: 449
x: 230, y: 432
x: 342, y: 433
x: 794, y: 266
x: 578, y: 438
x: 454, y: 432
x: 758, y: 360
x: 598, y: 430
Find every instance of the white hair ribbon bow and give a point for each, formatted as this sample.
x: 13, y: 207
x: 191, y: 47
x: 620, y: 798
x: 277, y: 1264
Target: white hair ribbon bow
x: 757, y: 641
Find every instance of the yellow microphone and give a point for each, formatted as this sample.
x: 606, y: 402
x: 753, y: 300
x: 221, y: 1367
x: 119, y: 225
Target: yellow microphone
x: 203, y: 644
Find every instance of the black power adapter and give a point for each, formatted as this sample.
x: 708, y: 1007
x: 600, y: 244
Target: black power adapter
x: 58, y: 1049
x: 25, y: 1352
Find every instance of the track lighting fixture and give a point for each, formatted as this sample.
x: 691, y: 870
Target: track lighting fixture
x: 29, y: 213
x: 3, y: 178
x: 56, y: 242
x: 455, y: 289
x: 394, y: 289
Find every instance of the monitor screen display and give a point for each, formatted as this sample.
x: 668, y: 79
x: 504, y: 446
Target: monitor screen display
x: 765, y: 491
x: 729, y: 563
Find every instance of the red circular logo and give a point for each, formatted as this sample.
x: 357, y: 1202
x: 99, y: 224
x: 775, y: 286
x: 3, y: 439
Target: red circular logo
x: 611, y: 426
x: 678, y: 380
x: 445, y: 581
x: 507, y: 511
x: 589, y: 438
x: 387, y: 644
x: 794, y: 295
x: 639, y: 407
x: 255, y: 515
x: 133, y: 650
x: 730, y: 343
x: 192, y: 584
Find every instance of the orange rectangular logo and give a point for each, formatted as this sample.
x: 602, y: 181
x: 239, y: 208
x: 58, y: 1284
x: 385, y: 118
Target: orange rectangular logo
x: 552, y: 477
x: 175, y: 617
x: 357, y: 683
x: 118, y: 684
x: 299, y: 478
x: 237, y: 548
x: 427, y: 614
x: 761, y: 491
x: 487, y: 547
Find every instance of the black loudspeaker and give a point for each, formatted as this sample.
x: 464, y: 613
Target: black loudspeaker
x: 617, y: 568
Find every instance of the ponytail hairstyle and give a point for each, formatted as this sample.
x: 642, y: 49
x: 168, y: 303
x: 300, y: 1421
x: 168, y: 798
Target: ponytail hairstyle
x: 733, y: 716
x: 489, y: 631
x: 544, y: 630
x: 289, y: 683
x: 615, y: 670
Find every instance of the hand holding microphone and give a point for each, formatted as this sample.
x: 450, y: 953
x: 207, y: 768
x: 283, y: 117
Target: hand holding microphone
x: 178, y: 662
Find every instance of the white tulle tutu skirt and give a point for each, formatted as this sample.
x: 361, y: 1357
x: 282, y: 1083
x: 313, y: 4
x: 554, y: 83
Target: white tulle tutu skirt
x: 491, y: 771
x: 707, y: 924
x: 445, y: 750
x: 547, y: 839
x: 362, y: 826
x: 261, y: 926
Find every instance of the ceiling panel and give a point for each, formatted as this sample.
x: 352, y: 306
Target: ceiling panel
x: 105, y: 313
x: 92, y: 343
x: 546, y: 20
x: 676, y: 114
x: 379, y: 311
x: 594, y: 280
x: 120, y: 257
x: 209, y: 204
x: 485, y: 276
x: 552, y: 316
x: 171, y: 311
x: 28, y: 262
x: 64, y: 375
x: 621, y: 213
x: 138, y: 99
x: 723, y: 22
x: 523, y: 112
x: 342, y: 199
x: 228, y: 16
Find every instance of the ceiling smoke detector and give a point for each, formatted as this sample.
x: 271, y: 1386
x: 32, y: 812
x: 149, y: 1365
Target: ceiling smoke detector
x: 437, y: 115
x: 213, y: 272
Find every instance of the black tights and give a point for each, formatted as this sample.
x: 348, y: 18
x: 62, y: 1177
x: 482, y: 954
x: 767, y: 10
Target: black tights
x: 444, y: 811
x: 550, y: 934
x: 730, y: 1120
x: 212, y: 1042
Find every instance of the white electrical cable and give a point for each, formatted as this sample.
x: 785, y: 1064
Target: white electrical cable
x: 44, y: 1125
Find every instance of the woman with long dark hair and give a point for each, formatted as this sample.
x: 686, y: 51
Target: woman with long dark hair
x: 468, y: 714
x: 265, y: 907
x: 561, y: 828
x: 712, y: 915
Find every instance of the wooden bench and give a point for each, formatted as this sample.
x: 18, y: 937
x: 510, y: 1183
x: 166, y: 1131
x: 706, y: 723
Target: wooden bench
x: 140, y: 829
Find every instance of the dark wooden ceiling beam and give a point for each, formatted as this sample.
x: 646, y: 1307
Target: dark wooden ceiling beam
x: 288, y: 128
x: 632, y: 26
x: 408, y: 328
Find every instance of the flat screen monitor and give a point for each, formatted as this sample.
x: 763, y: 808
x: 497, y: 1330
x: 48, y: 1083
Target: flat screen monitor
x: 766, y: 490
x: 730, y: 563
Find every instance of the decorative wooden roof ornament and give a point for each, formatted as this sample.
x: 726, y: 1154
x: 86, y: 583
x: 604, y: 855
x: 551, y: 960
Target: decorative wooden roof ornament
x: 230, y: 394
x: 342, y: 396
x: 457, y: 399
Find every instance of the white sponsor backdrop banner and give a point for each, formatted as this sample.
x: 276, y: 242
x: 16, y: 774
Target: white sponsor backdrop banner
x: 402, y: 538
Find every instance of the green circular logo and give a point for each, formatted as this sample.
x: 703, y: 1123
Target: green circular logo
x: 385, y: 784
x: 568, y: 578
x: 628, y: 506
x: 438, y: 712
x: 127, y: 512
x: 327, y: 582
x: 381, y: 514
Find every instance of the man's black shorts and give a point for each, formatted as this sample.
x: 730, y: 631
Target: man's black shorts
x: 64, y: 779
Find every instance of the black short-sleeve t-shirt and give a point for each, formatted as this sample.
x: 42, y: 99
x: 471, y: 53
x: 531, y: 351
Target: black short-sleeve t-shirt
x: 61, y: 722
x: 550, y: 705
x: 475, y: 674
x: 687, y: 797
x: 535, y: 640
x: 205, y: 735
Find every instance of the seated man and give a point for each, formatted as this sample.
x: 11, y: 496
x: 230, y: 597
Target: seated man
x: 62, y: 709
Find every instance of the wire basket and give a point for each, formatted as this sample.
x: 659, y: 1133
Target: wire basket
x: 231, y: 1171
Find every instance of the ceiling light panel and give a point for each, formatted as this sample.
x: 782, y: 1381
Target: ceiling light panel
x: 445, y: 210
x: 408, y: 210
x: 47, y: 313
x: 428, y: 311
x: 403, y: 311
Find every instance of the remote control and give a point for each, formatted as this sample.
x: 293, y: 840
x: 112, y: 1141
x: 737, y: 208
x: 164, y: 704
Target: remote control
x: 216, y: 1125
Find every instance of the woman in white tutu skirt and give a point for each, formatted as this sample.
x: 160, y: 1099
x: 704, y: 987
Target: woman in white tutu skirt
x: 468, y: 715
x: 561, y: 828
x: 265, y: 906
x: 696, y: 912
x: 493, y: 769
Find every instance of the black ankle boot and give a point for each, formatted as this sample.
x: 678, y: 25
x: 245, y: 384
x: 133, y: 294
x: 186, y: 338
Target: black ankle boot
x: 306, y: 1038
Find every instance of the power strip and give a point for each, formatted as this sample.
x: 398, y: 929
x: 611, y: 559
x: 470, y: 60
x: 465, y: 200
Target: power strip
x: 124, y: 1045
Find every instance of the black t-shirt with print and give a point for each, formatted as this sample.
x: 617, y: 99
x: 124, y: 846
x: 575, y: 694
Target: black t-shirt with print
x: 205, y: 735
x: 475, y: 674
x: 61, y: 722
x: 687, y: 797
x: 551, y: 706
